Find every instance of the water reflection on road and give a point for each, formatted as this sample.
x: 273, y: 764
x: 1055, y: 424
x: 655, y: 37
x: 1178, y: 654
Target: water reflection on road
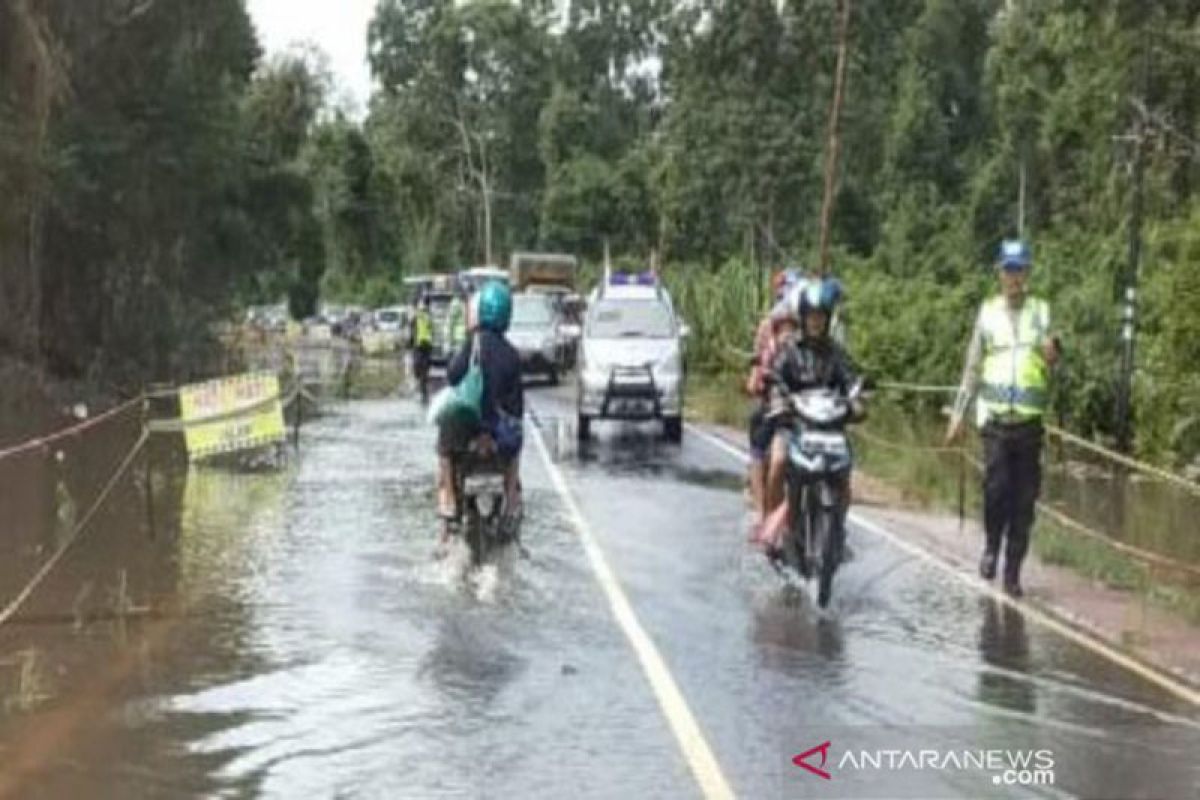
x: 303, y: 641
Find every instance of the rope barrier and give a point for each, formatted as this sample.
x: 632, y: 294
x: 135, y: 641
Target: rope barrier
x: 918, y: 388
x: 1192, y: 487
x: 151, y: 427
x: 1128, y: 549
x: 74, y: 430
x: 1057, y: 515
x: 15, y: 604
x: 1183, y: 483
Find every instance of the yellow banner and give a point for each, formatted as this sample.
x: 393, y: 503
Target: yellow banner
x: 231, y: 414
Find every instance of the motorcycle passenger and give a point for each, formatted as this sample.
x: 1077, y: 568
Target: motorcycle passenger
x: 772, y: 330
x: 420, y: 339
x: 499, y: 433
x: 810, y: 360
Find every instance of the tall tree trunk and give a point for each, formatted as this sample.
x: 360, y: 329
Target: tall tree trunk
x: 34, y: 63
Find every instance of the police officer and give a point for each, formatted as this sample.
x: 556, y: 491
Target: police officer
x: 1008, y: 364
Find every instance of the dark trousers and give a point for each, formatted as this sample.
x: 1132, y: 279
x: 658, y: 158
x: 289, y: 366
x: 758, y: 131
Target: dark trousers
x: 1011, y: 484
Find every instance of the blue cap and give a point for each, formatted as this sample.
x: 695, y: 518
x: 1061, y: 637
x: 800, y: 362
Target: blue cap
x: 1015, y: 255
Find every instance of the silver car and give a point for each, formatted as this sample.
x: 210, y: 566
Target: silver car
x: 539, y: 333
x: 631, y: 361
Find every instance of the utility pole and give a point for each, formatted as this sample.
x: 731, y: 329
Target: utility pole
x: 1129, y: 304
x: 834, y: 140
x: 1021, y: 203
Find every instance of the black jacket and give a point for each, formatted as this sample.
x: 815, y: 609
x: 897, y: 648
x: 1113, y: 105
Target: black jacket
x: 804, y: 363
x: 501, y: 365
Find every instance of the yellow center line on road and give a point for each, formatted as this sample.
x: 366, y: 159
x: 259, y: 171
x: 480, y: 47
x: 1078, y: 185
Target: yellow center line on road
x: 1161, y: 679
x: 696, y: 750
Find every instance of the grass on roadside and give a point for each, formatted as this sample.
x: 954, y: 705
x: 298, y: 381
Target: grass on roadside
x: 718, y: 399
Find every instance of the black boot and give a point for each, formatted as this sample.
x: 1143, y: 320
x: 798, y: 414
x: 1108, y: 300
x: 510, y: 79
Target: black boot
x: 1012, y: 580
x: 987, y: 565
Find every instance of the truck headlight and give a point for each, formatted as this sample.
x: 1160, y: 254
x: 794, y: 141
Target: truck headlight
x: 668, y: 368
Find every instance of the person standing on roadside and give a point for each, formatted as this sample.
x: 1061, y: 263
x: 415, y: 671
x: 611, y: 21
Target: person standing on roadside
x: 420, y: 340
x: 1009, y: 363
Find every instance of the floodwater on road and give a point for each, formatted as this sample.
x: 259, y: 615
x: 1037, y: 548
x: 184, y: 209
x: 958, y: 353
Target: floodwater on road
x: 287, y: 631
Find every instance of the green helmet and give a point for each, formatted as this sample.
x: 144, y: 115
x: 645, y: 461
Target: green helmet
x: 494, y: 306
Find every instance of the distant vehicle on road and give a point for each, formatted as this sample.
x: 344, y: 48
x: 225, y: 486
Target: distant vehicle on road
x: 471, y: 279
x: 541, y: 335
x: 631, y: 356
x: 415, y: 286
x: 390, y: 320
x: 545, y: 271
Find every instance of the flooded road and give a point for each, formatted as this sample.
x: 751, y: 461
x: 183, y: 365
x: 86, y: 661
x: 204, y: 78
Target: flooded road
x: 305, y: 642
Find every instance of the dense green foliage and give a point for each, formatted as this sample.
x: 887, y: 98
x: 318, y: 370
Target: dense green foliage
x: 151, y: 175
x: 147, y: 165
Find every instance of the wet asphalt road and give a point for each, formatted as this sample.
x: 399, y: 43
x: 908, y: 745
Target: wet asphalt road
x: 315, y: 648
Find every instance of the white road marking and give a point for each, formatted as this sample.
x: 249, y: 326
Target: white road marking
x: 696, y: 750
x: 1095, y: 645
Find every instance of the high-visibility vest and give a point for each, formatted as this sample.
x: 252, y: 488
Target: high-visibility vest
x: 1015, y: 378
x: 424, y: 328
x: 457, y: 324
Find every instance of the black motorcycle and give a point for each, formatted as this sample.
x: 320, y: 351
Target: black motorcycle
x: 819, y: 463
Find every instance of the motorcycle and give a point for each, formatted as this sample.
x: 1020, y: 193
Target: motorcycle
x: 819, y: 463
x: 482, y: 514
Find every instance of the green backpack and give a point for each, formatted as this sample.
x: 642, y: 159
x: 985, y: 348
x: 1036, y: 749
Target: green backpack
x: 461, y: 404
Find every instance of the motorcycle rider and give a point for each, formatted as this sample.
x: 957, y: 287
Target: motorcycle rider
x: 456, y: 324
x: 499, y: 433
x: 810, y: 359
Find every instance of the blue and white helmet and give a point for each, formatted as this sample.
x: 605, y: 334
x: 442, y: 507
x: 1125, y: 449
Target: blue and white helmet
x: 819, y: 293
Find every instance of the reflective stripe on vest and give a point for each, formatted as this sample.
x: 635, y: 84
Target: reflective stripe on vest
x: 1015, y: 374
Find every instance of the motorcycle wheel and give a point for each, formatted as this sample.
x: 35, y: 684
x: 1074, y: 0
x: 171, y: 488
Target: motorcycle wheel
x: 476, y: 538
x: 793, y: 544
x: 830, y: 542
